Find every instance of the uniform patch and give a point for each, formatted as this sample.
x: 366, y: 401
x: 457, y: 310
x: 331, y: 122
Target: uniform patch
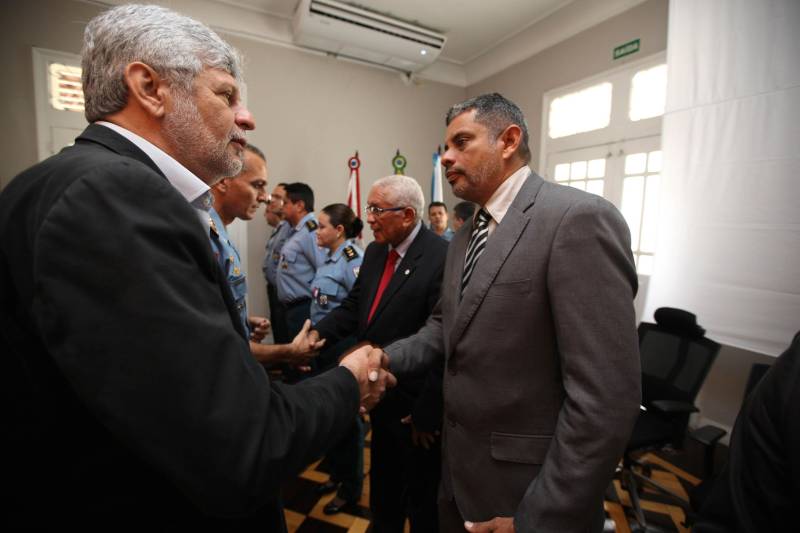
x: 311, y: 224
x: 350, y: 253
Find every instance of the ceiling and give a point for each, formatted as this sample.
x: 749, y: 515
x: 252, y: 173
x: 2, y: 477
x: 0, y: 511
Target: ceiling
x: 473, y: 27
x: 484, y: 37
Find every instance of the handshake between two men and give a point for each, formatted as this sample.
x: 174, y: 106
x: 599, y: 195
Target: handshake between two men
x: 368, y: 364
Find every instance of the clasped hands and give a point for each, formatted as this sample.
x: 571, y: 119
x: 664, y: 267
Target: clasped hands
x: 369, y: 365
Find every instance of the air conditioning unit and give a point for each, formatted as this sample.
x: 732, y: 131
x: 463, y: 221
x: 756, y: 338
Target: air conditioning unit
x: 355, y: 33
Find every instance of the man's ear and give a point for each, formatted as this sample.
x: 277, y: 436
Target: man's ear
x: 510, y: 139
x: 222, y: 185
x: 409, y: 215
x: 149, y: 90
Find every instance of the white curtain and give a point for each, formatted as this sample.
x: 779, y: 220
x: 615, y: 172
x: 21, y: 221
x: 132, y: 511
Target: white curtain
x: 729, y: 232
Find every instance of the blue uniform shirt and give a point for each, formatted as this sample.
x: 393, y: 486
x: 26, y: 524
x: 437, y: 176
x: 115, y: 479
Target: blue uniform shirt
x: 448, y: 234
x: 229, y: 261
x: 334, y: 279
x: 272, y: 256
x: 300, y: 258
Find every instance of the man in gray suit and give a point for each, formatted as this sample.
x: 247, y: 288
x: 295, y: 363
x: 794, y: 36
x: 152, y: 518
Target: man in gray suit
x: 537, y: 332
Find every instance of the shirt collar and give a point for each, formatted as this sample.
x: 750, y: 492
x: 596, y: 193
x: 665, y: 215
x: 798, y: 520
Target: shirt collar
x: 303, y: 220
x: 335, y: 255
x: 195, y: 190
x: 504, y: 195
x: 402, y: 248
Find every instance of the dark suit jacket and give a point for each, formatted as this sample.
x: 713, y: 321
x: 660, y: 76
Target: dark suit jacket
x: 129, y: 394
x: 406, y: 303
x: 541, y: 386
x: 759, y: 489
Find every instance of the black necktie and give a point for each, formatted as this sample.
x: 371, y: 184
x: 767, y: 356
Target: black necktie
x: 477, y: 243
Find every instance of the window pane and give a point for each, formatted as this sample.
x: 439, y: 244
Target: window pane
x: 578, y: 171
x: 645, y: 265
x: 654, y: 161
x: 648, y: 93
x: 595, y: 187
x: 562, y: 172
x: 632, y: 190
x: 650, y: 218
x: 581, y: 111
x: 578, y: 185
x: 597, y: 168
x: 635, y: 163
x: 66, y: 92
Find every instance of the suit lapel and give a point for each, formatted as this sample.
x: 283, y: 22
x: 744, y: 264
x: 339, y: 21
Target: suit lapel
x: 503, y: 240
x: 403, y: 271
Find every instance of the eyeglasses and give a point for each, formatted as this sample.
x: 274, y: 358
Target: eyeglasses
x: 274, y: 200
x: 378, y: 211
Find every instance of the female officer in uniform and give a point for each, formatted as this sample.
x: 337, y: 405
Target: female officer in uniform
x: 338, y: 227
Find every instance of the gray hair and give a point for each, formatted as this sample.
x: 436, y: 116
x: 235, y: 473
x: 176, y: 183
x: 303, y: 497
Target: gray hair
x: 403, y: 191
x: 175, y: 46
x: 497, y: 113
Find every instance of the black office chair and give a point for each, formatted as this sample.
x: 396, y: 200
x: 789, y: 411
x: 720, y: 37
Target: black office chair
x: 676, y: 358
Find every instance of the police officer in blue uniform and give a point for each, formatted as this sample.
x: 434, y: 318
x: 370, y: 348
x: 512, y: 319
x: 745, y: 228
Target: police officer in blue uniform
x: 240, y: 197
x: 300, y: 256
x: 228, y: 258
x: 338, y: 229
x: 272, y: 256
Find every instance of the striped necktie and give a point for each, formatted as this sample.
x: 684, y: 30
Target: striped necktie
x: 477, y: 243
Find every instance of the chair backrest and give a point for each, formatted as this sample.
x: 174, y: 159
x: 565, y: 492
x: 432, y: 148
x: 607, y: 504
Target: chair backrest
x: 675, y: 355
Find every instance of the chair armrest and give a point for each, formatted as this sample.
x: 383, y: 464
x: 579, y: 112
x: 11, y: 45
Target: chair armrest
x: 673, y: 407
x: 708, y: 435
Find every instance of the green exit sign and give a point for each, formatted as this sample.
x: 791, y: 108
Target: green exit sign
x: 626, y: 49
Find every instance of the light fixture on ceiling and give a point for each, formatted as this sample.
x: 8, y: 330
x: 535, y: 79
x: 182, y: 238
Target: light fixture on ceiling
x: 423, y: 52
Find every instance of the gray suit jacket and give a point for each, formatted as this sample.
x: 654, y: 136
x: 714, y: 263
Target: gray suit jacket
x: 542, y: 377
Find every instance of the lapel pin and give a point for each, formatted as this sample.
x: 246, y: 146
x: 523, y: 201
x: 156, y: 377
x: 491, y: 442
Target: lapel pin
x: 407, y: 272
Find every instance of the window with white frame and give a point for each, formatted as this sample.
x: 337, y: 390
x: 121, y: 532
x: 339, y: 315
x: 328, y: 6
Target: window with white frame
x: 602, y: 135
x: 581, y: 111
x: 640, y: 205
x: 648, y: 93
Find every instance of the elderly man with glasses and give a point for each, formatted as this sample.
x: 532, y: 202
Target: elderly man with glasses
x: 397, y: 287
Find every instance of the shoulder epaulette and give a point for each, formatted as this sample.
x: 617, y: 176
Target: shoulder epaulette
x: 350, y: 253
x: 311, y: 224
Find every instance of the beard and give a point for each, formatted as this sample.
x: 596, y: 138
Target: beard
x: 200, y: 151
x: 469, y: 187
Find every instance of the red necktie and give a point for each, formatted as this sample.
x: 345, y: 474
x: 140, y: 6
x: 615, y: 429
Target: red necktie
x: 388, y: 272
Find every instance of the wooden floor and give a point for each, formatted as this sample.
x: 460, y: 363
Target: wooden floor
x: 304, y: 506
